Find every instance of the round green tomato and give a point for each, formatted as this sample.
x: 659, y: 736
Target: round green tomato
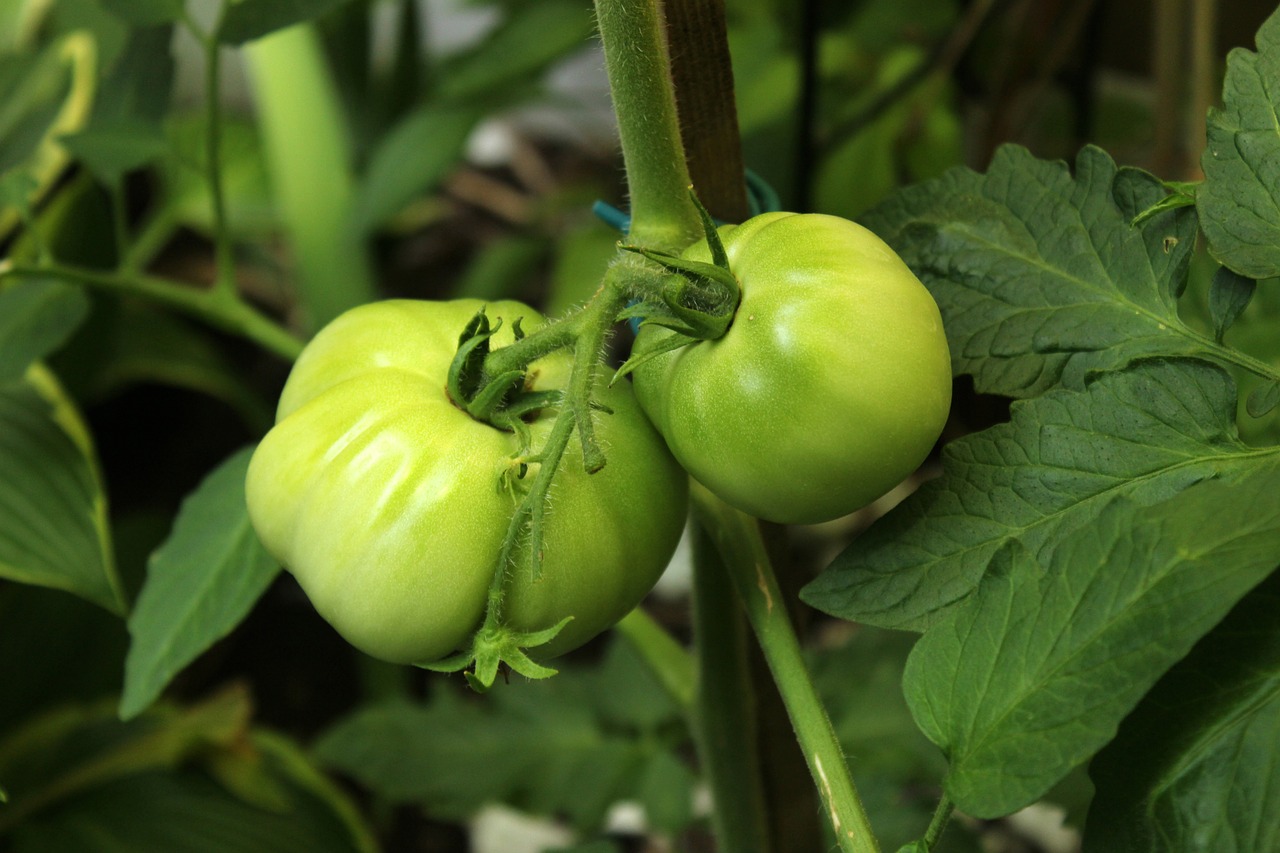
x: 386, y: 501
x: 831, y: 385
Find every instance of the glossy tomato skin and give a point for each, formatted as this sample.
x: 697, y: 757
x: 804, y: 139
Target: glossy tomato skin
x: 831, y: 385
x: 383, y: 499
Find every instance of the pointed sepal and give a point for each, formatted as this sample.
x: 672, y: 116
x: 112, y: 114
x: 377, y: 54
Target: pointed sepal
x: 497, y: 650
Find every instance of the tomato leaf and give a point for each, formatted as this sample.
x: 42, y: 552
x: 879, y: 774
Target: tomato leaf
x: 43, y: 668
x: 1229, y: 294
x: 1145, y: 433
x: 36, y: 317
x: 1238, y: 204
x: 140, y: 82
x: 1195, y: 766
x: 126, y: 342
x: 54, y: 532
x: 173, y: 779
x: 1039, y: 276
x: 1181, y: 194
x: 1034, y: 672
x: 590, y: 736
x: 411, y: 160
x: 110, y: 151
x: 245, y: 186
x: 1263, y: 399
x: 530, y: 38
x: 200, y: 584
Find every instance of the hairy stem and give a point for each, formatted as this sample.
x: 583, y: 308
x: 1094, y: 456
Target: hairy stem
x: 941, y: 815
x: 548, y: 462
x: 737, y: 537
x: 635, y: 55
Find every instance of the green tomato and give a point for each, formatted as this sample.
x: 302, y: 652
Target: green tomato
x: 831, y: 385
x: 386, y: 502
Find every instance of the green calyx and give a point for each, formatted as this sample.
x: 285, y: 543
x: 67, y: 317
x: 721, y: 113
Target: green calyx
x: 698, y: 300
x: 501, y: 400
x: 496, y: 650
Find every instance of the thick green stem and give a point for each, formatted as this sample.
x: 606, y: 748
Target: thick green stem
x: 725, y: 723
x: 548, y: 462
x: 635, y: 55
x: 218, y: 309
x: 737, y: 536
x: 588, y: 354
x: 310, y: 164
x: 585, y: 333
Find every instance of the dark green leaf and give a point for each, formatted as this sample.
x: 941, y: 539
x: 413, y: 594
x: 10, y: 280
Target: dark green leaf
x: 36, y: 317
x: 74, y: 749
x: 17, y: 190
x: 411, y: 160
x: 111, y: 151
x: 200, y: 584
x: 529, y: 40
x: 665, y: 787
x: 896, y: 768
x: 1229, y: 295
x: 589, y: 738
x: 74, y: 226
x: 1196, y: 767
x: 1239, y: 202
x: 861, y: 686
x: 253, y: 19
x: 53, y: 530
x: 145, y: 13
x: 197, y: 781
x: 139, y: 83
x: 32, y: 91
x: 1146, y: 433
x: 187, y: 811
x: 125, y: 343
x: 1034, y: 672
x: 1037, y: 272
x: 55, y: 648
x: 1264, y: 398
x: 1134, y: 183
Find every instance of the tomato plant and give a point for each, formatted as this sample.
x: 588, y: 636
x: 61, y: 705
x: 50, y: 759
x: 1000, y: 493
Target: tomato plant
x: 1070, y: 612
x: 829, y: 388
x: 389, y: 503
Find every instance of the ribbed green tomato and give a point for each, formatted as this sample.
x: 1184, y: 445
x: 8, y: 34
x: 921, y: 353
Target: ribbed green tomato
x: 384, y: 499
x: 831, y: 385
